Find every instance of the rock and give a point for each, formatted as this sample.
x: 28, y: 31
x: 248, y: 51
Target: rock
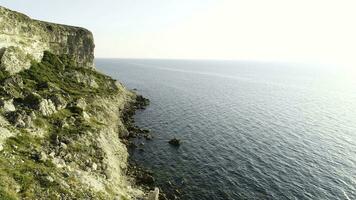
x: 108, y: 174
x: 84, y: 79
x: 145, y: 178
x: 145, y: 130
x: 153, y: 195
x: 81, y: 103
x: 65, y: 174
x: 92, y: 83
x: 14, y: 60
x: 7, y: 105
x: 13, y: 86
x: 132, y: 145
x: 85, y: 115
x: 63, y: 146
x: 19, y: 119
x: 43, y: 157
x: 68, y: 157
x: 33, y: 100
x: 175, y: 142
x: 141, y: 102
x: 33, y: 37
x: 58, y: 101
x: 49, y: 179
x: 52, y: 154
x: 87, y: 169
x: 60, y: 163
x: 46, y: 107
x: 124, y: 133
x: 94, y: 166
x: 148, y: 137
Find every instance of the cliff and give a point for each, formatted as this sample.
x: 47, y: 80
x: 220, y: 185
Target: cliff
x: 32, y: 37
x: 60, y: 120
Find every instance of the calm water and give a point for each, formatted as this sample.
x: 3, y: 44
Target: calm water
x: 249, y: 130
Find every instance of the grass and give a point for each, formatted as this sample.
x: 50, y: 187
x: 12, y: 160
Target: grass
x: 22, y: 175
x: 59, y: 72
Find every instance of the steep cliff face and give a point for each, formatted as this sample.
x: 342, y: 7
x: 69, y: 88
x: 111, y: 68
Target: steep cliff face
x: 60, y: 119
x: 23, y: 39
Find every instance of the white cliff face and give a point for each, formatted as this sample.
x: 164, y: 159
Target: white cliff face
x: 22, y: 38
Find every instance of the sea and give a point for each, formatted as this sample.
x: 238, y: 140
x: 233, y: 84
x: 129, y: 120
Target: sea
x: 249, y: 130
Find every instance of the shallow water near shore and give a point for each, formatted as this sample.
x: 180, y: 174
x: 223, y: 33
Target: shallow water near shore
x: 249, y: 130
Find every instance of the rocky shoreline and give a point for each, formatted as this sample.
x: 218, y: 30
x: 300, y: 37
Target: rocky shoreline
x: 143, y: 177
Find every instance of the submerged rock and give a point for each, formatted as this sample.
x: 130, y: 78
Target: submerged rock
x: 146, y: 178
x: 148, y: 137
x: 175, y: 142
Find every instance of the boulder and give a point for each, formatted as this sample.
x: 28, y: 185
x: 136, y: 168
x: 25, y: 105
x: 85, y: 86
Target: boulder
x: 20, y: 119
x: 13, y: 86
x: 43, y: 157
x: 153, y: 195
x: 7, y: 105
x: 145, y: 178
x: 175, y: 142
x: 58, y: 101
x: 84, y: 79
x: 46, y: 107
x: 14, y: 60
x: 81, y: 103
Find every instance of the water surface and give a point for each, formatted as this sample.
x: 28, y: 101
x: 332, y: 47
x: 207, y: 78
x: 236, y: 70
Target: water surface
x: 250, y: 130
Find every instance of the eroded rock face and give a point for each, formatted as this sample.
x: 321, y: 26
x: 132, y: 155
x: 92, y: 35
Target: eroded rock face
x: 22, y: 38
x: 14, y: 60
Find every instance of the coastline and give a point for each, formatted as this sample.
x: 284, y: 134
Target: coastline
x: 60, y: 119
x: 142, y: 177
x: 135, y: 140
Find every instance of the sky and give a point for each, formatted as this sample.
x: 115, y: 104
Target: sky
x: 307, y: 31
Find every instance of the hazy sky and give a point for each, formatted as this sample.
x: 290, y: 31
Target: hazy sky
x: 277, y: 30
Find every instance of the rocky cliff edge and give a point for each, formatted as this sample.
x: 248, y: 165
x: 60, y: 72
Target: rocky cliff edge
x: 60, y: 119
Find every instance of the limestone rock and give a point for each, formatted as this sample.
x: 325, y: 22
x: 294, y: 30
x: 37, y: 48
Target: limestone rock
x: 58, y: 101
x: 94, y: 166
x: 46, y: 107
x: 81, y: 103
x: 43, y: 157
x: 153, y: 195
x: 7, y: 105
x: 14, y: 60
x: 50, y: 179
x: 85, y: 79
x: 13, y: 85
x: 20, y: 119
x: 14, y: 81
x: 34, y: 37
x: 58, y: 162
